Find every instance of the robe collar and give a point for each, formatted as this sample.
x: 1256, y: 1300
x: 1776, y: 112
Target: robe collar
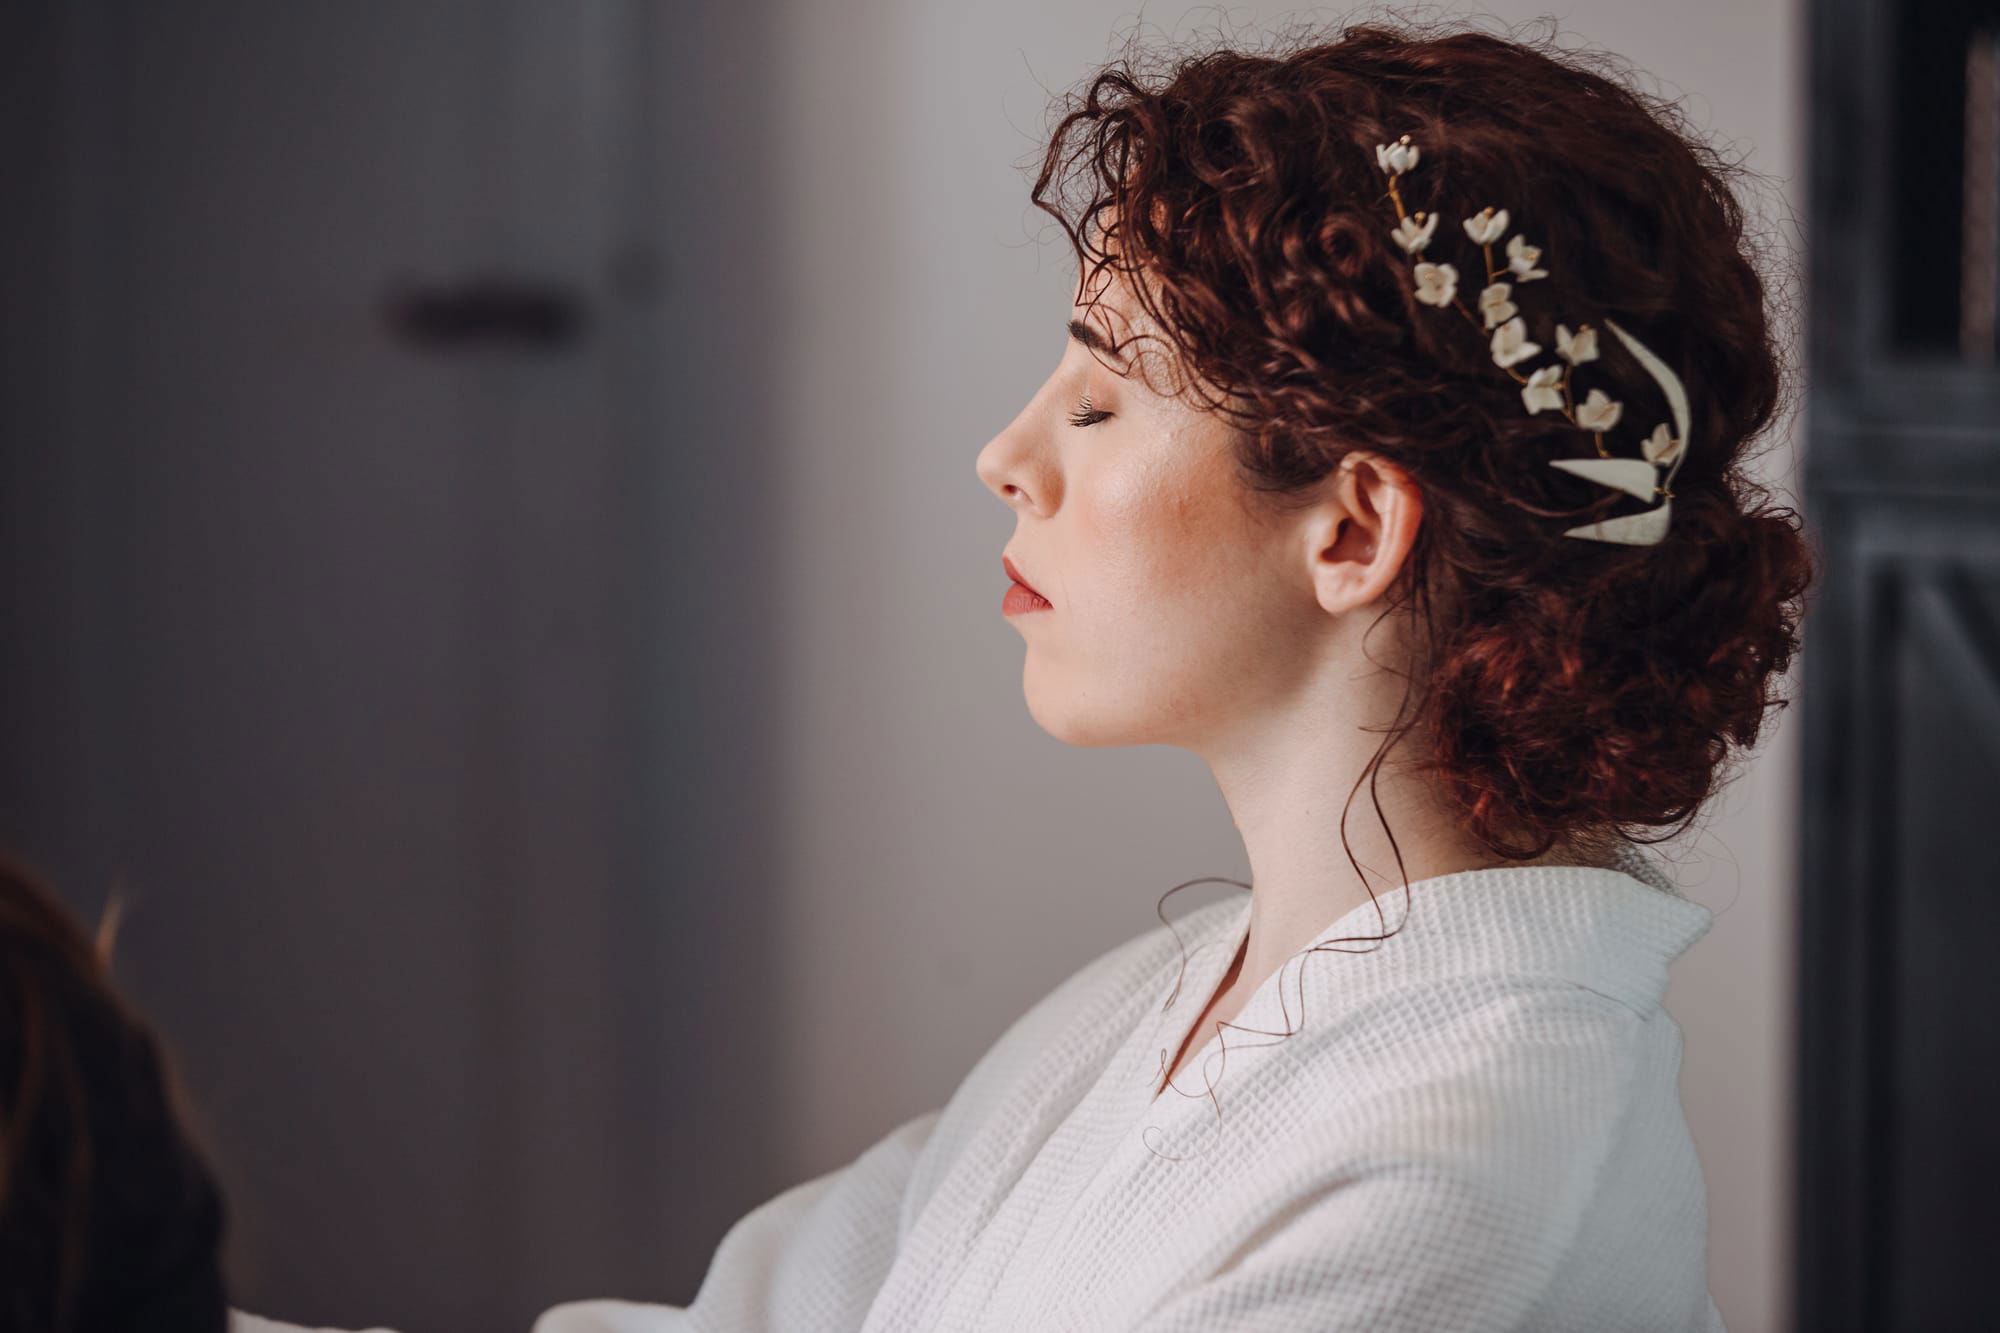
x: 1611, y: 929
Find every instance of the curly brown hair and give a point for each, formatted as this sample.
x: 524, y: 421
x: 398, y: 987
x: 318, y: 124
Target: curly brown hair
x: 1573, y: 692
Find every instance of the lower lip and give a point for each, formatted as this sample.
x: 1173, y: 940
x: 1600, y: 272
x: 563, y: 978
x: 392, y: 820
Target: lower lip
x: 1021, y: 599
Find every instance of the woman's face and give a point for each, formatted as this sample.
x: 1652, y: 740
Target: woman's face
x: 1177, y: 610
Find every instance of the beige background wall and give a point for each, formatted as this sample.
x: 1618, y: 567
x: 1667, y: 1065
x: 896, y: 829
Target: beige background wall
x: 944, y: 861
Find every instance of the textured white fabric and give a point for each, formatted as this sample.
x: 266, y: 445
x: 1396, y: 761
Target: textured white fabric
x: 1476, y: 1125
x: 240, y: 1322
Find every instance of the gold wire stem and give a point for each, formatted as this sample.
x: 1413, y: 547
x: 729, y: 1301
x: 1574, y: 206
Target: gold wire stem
x: 1485, y: 337
x: 1493, y: 275
x: 1472, y: 319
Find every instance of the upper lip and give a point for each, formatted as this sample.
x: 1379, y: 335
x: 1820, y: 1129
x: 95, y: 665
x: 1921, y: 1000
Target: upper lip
x: 1015, y: 574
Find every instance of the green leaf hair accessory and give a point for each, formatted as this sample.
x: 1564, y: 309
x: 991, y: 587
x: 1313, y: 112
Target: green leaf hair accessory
x: 1499, y: 321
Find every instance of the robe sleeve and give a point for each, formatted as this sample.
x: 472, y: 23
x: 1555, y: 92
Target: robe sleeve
x: 242, y: 1322
x: 1463, y: 1188
x: 809, y: 1260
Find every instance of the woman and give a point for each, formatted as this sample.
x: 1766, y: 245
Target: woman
x: 1396, y: 442
x: 1293, y: 499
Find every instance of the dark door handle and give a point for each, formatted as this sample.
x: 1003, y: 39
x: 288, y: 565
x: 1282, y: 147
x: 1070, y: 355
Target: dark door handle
x: 487, y: 310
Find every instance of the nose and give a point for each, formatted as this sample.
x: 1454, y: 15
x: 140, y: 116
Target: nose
x: 1013, y: 463
x: 998, y: 466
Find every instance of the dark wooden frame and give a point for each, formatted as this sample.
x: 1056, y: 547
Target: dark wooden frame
x: 1902, y: 475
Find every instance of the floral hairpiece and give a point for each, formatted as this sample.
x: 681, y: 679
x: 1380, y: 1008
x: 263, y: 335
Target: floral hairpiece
x: 1548, y: 386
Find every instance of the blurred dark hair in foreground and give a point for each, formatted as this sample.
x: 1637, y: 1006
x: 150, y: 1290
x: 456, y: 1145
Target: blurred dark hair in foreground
x: 109, y: 1218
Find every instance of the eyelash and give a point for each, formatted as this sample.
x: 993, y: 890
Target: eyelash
x: 1084, y: 416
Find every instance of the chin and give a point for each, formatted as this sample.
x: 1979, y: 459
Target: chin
x: 1077, y: 716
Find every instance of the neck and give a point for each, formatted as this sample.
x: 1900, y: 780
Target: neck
x: 1287, y: 805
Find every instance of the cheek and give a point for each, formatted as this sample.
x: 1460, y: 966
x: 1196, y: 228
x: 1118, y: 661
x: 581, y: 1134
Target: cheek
x: 1145, y: 532
x: 1172, y: 615
x: 1165, y: 560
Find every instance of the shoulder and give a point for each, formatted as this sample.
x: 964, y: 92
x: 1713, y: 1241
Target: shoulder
x: 1461, y: 1164
x: 1497, y: 1034
x: 1450, y: 1139
x: 1513, y: 1091
x: 1113, y: 984
x: 1057, y: 1045
x: 1113, y: 980
x: 1140, y: 957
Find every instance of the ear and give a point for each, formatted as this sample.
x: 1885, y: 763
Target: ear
x: 1360, y: 532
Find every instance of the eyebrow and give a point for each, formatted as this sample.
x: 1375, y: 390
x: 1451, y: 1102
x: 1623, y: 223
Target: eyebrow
x: 1093, y: 339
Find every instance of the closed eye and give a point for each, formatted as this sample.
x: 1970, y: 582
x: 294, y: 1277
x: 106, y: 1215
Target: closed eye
x: 1085, y: 416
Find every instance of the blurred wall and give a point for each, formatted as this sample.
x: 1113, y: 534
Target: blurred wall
x: 979, y: 861
x: 406, y: 674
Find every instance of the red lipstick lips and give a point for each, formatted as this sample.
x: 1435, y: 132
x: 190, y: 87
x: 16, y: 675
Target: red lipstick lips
x: 1021, y: 595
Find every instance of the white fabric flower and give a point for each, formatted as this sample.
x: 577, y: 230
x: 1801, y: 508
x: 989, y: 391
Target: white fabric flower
x: 1543, y: 389
x: 1578, y: 347
x: 1396, y: 158
x: 1521, y: 258
x: 1660, y: 446
x: 1510, y: 342
x: 1599, y: 412
x: 1487, y: 226
x: 1495, y: 306
x: 1413, y: 237
x: 1436, y: 283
